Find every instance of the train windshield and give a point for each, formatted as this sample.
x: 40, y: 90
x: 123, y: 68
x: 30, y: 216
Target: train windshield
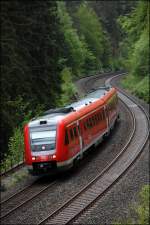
x: 43, y: 140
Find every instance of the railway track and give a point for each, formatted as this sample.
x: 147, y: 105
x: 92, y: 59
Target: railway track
x: 22, y: 197
x: 80, y: 202
x: 13, y: 169
x: 75, y: 206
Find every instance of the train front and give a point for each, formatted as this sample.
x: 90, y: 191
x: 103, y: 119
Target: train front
x: 40, y: 146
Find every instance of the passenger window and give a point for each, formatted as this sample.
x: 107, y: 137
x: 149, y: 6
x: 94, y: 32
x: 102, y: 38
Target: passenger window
x: 66, y: 138
x: 97, y: 118
x: 75, y: 132
x: 71, y: 134
x: 93, y: 119
x: 90, y: 122
x: 87, y: 122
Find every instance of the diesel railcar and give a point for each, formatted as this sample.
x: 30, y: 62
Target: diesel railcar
x: 54, y: 141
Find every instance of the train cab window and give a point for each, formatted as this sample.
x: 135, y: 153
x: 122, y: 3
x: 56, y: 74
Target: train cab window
x: 66, y: 138
x: 71, y: 134
x: 75, y: 132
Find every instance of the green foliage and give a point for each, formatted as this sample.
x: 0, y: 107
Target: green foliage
x: 32, y: 46
x: 140, y: 57
x: 135, y: 46
x: 135, y: 49
x: 91, y: 29
x: 138, y: 86
x: 141, y: 209
x: 15, y: 150
x: 77, y: 54
x: 68, y: 88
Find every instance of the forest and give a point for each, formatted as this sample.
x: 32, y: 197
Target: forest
x: 47, y: 45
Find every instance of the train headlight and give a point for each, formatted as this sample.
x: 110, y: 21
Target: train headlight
x: 54, y: 156
x: 33, y: 158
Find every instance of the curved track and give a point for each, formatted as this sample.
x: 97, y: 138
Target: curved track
x: 75, y: 206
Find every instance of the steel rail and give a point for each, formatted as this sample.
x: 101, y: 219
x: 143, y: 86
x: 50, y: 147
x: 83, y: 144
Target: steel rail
x: 17, y: 195
x: 13, y: 169
x: 75, y: 206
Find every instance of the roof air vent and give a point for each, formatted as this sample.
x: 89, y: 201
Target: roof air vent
x: 59, y: 110
x: 43, y: 122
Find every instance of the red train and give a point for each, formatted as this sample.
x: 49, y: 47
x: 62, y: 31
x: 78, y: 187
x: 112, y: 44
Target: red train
x: 60, y: 137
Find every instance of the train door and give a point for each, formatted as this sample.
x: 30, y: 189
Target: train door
x: 107, y: 116
x: 74, y: 142
x: 80, y: 139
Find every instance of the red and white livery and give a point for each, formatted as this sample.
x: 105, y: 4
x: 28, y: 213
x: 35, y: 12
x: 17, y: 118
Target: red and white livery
x: 60, y: 137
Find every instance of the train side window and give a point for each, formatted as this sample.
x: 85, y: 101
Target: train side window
x: 71, y: 134
x: 90, y: 122
x: 93, y: 119
x: 66, y: 138
x: 96, y: 119
x: 87, y: 122
x: 75, y: 132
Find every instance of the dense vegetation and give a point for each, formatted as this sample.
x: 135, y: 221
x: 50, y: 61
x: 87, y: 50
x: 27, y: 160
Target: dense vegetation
x: 46, y: 45
x: 31, y: 48
x: 135, y: 49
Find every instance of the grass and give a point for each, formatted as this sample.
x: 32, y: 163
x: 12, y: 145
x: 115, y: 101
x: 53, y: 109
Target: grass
x: 137, y: 86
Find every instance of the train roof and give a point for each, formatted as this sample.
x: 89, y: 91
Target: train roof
x: 53, y: 116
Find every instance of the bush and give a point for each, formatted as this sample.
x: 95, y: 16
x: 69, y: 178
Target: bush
x: 137, y: 86
x: 68, y: 88
x: 15, y: 150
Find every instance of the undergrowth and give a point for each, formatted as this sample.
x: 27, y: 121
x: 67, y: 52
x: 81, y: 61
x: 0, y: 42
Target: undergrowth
x: 137, y: 86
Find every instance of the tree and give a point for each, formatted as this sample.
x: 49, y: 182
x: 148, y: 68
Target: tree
x: 32, y: 47
x: 135, y: 45
x: 90, y: 28
x: 77, y: 53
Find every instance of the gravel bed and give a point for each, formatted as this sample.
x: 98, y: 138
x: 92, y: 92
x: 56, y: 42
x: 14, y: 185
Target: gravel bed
x: 16, y: 182
x: 71, y: 182
x: 117, y: 204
